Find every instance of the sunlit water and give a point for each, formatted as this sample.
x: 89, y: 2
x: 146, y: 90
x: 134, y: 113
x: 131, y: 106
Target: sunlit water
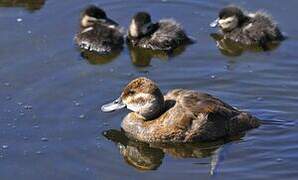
x: 50, y: 123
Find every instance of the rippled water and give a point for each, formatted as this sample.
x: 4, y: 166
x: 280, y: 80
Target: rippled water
x: 50, y: 123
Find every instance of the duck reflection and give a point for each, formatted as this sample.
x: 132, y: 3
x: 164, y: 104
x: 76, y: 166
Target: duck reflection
x: 98, y: 59
x: 144, y: 156
x: 141, y: 57
x: 30, y: 5
x: 231, y: 48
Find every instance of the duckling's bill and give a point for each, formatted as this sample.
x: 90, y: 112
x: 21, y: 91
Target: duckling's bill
x: 113, y: 106
x: 214, y: 23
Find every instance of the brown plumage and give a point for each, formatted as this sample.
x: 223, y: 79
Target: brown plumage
x: 180, y: 115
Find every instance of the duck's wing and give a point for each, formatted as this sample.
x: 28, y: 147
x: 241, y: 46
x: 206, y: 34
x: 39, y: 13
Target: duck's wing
x: 214, y: 118
x: 100, y: 38
x: 199, y: 102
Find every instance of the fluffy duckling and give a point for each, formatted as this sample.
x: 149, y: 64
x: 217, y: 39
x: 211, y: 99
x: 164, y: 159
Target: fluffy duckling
x: 247, y: 28
x: 98, y: 32
x: 179, y: 116
x: 166, y: 34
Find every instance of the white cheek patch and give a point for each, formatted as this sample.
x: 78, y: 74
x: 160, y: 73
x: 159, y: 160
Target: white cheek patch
x: 133, y: 29
x: 228, y: 23
x: 138, y: 106
x: 92, y: 18
x: 135, y: 107
x: 86, y: 21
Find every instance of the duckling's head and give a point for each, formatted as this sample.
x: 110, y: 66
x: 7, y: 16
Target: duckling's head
x: 229, y: 18
x: 91, y: 15
x: 140, y: 25
x: 141, y: 96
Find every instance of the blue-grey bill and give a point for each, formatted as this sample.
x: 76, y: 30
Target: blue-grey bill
x: 214, y: 23
x: 113, y: 106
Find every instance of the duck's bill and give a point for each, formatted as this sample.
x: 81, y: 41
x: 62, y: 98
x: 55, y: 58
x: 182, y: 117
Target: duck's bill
x: 214, y: 23
x: 113, y: 106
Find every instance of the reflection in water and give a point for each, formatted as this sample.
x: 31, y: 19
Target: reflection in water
x: 144, y: 156
x: 142, y: 57
x: 30, y: 5
x: 96, y: 58
x: 231, y: 48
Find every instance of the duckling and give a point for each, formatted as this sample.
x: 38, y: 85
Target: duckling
x: 179, y: 116
x: 165, y: 35
x: 247, y: 28
x: 98, y: 32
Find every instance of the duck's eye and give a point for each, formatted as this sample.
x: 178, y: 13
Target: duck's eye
x: 131, y: 92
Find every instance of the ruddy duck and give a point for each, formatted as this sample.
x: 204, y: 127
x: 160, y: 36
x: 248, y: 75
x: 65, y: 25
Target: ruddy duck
x: 247, y: 28
x: 179, y: 116
x: 166, y: 34
x: 98, y: 32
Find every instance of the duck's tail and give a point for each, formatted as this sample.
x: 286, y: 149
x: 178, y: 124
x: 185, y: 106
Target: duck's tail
x: 243, y: 122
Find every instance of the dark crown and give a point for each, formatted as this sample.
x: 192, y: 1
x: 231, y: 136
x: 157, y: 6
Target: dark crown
x: 142, y: 17
x: 94, y: 11
x: 230, y: 11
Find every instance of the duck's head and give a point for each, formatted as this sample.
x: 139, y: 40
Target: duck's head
x: 91, y: 15
x: 141, y: 96
x: 141, y: 25
x: 229, y: 18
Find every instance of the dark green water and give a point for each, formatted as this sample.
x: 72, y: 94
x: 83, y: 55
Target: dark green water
x: 50, y: 123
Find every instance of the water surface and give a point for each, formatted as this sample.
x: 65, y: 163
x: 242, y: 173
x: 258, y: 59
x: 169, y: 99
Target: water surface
x: 50, y: 123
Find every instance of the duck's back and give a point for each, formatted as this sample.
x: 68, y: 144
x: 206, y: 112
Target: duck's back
x: 213, y: 118
x: 168, y: 36
x: 100, y: 38
x: 259, y: 30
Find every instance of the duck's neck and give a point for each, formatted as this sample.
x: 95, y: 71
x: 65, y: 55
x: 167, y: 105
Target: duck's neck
x: 244, y: 20
x: 154, y: 112
x: 152, y: 29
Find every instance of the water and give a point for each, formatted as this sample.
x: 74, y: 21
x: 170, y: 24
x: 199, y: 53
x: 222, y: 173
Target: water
x: 50, y: 123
